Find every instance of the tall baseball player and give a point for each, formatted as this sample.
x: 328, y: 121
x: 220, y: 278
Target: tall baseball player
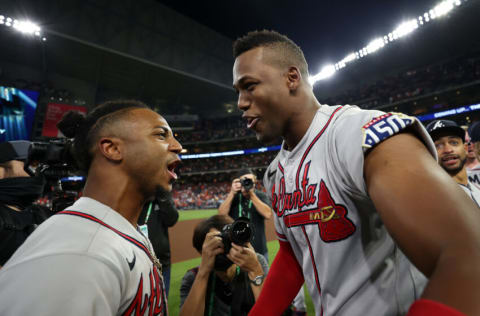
x: 358, y: 197
x: 449, y: 139
x: 91, y: 259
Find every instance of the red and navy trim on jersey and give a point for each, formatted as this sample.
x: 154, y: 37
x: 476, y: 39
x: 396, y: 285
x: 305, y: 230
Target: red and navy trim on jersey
x: 123, y: 235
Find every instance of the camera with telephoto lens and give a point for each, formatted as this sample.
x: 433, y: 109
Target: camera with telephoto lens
x: 238, y: 232
x: 247, y: 183
x: 54, y: 161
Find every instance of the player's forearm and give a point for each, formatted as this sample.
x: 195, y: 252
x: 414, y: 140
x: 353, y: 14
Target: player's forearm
x: 261, y: 207
x: 455, y: 280
x: 224, y: 208
x: 195, y: 302
x: 280, y: 288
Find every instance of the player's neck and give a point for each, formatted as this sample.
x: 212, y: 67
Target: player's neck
x: 461, y: 177
x: 117, y: 193
x: 300, y: 121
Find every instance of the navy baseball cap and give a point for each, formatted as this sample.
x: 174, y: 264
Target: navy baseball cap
x: 474, y: 132
x: 445, y: 127
x: 14, y: 150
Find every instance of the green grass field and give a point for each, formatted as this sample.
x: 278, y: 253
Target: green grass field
x: 179, y: 269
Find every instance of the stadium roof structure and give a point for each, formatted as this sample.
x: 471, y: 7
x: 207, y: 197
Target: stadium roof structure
x: 326, y: 31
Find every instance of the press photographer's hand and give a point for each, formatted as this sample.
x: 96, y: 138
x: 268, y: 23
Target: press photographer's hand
x: 212, y: 246
x: 246, y: 258
x: 236, y: 186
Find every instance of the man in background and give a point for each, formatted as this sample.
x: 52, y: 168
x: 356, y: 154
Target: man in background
x: 449, y: 140
x: 472, y: 164
x: 157, y: 216
x: 244, y: 200
x: 18, y: 190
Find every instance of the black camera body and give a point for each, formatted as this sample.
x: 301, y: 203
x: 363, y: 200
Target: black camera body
x: 239, y: 232
x: 54, y: 161
x: 247, y: 183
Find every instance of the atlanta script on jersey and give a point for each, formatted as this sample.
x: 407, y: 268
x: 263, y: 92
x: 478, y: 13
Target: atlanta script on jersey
x: 86, y: 260
x: 350, y: 263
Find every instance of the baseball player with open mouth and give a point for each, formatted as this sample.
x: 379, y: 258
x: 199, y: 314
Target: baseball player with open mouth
x: 363, y: 213
x: 92, y: 259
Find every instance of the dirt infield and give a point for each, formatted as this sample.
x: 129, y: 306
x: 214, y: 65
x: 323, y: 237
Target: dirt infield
x: 181, y: 239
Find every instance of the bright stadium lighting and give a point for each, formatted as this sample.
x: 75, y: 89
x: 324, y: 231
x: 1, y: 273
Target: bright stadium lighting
x: 325, y: 73
x: 375, y: 45
x: 403, y: 29
x: 22, y: 26
x: 26, y: 27
x: 443, y: 8
x: 406, y: 28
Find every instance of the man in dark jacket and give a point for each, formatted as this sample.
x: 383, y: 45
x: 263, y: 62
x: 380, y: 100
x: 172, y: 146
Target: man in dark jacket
x: 154, y: 221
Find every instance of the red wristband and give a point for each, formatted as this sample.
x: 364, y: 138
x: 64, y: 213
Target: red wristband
x: 424, y: 307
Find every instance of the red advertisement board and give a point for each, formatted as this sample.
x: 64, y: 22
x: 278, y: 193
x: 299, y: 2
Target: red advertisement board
x: 54, y: 114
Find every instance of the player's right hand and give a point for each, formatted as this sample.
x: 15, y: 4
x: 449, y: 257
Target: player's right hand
x: 212, y: 246
x: 236, y: 186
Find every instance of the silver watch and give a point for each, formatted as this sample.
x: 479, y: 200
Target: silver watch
x: 258, y: 280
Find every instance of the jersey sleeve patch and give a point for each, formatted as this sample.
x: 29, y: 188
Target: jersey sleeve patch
x: 383, y: 127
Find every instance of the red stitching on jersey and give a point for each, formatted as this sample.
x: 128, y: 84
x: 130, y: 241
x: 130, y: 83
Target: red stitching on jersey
x: 280, y: 167
x: 314, y: 265
x: 125, y: 236
x: 313, y: 143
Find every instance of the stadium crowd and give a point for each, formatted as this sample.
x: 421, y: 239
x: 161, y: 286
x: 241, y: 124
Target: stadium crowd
x: 413, y: 83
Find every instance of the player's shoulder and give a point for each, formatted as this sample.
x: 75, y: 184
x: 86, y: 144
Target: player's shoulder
x: 372, y: 126
x: 271, y: 171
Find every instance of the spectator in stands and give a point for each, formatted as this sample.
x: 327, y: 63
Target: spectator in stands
x: 18, y: 216
x: 157, y: 216
x: 221, y: 286
x: 245, y: 201
x: 449, y: 139
x: 472, y: 164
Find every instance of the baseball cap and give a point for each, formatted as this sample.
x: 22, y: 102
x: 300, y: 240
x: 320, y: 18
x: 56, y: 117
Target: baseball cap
x: 474, y: 132
x: 14, y: 150
x: 445, y: 126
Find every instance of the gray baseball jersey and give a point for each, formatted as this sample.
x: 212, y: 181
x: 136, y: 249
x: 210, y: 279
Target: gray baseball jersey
x: 87, y: 260
x: 350, y: 263
x: 472, y: 191
x: 474, y: 176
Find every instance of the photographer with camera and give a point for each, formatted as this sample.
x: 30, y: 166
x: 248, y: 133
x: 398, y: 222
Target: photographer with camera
x: 246, y: 201
x: 18, y: 190
x: 230, y: 276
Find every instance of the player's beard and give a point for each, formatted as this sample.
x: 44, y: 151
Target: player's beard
x: 454, y: 172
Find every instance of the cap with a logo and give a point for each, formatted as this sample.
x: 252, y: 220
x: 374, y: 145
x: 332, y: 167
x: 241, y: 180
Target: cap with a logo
x: 445, y: 127
x: 14, y: 150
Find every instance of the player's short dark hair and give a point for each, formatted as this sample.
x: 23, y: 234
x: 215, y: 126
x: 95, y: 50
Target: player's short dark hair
x: 85, y: 130
x: 201, y: 230
x: 287, y: 52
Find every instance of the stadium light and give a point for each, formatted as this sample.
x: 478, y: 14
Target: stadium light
x: 405, y: 28
x: 23, y: 26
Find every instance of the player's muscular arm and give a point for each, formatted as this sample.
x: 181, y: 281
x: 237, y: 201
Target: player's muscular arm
x: 434, y: 222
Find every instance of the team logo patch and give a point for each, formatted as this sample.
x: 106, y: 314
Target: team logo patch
x: 330, y: 217
x: 383, y: 127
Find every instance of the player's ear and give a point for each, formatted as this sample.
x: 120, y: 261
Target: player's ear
x: 111, y: 148
x: 294, y: 77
